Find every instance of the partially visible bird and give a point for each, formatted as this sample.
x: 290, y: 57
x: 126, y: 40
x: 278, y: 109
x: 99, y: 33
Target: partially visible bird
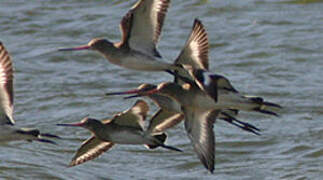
x: 223, y: 93
x: 198, y: 120
x: 8, y: 132
x: 170, y: 109
x: 195, y: 55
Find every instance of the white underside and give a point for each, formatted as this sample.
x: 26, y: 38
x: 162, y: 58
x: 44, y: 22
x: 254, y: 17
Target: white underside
x: 140, y: 62
x: 129, y: 137
x: 225, y: 101
x: 143, y: 63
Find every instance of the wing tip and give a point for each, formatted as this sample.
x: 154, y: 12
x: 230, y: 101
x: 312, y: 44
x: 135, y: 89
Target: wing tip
x: 197, y: 46
x: 73, y: 163
x: 198, y: 22
x: 5, y: 61
x: 199, y: 33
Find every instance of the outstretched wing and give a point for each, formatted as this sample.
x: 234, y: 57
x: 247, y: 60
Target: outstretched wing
x: 141, y: 26
x: 133, y: 117
x: 195, y: 52
x: 163, y: 120
x: 6, y: 87
x: 196, y: 49
x: 199, y: 127
x: 90, y: 149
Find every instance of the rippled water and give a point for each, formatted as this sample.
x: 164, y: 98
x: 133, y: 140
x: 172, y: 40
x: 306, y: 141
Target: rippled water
x: 268, y: 48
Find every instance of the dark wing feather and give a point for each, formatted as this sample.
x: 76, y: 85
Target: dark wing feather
x: 125, y: 26
x: 196, y: 49
x: 199, y: 127
x: 162, y: 120
x: 90, y: 149
x: 133, y: 117
x: 195, y: 53
x: 6, y: 87
x: 142, y: 25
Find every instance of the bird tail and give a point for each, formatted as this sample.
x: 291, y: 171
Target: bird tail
x: 161, y: 138
x: 240, y: 124
x: 264, y: 106
x: 31, y: 132
x: 34, y: 134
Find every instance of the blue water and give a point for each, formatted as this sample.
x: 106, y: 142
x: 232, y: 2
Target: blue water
x: 266, y: 48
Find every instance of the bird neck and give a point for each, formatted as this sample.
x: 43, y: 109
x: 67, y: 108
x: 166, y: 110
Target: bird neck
x: 113, y: 53
x: 96, y: 128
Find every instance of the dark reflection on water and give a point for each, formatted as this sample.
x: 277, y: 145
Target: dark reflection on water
x: 267, y: 48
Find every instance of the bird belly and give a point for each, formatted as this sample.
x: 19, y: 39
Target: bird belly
x: 224, y: 101
x: 235, y: 101
x: 144, y: 63
x: 127, y: 137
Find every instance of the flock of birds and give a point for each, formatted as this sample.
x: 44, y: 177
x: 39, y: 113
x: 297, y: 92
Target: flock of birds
x: 196, y: 96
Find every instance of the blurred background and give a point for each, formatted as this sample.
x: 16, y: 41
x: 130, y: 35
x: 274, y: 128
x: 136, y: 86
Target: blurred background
x: 268, y: 48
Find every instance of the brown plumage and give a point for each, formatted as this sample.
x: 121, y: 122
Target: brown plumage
x: 126, y: 127
x: 196, y: 48
x: 8, y: 132
x: 90, y: 149
x: 6, y: 83
x: 140, y: 32
x: 169, y: 113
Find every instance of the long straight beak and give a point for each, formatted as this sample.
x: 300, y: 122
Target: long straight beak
x: 133, y: 91
x: 46, y: 141
x: 146, y: 93
x: 75, y: 48
x: 50, y: 135
x: 80, y: 124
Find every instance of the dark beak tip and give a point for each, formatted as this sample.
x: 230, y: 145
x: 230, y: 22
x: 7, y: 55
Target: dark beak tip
x: 50, y: 135
x: 71, y: 125
x: 65, y: 49
x: 47, y: 141
x: 130, y: 97
x: 66, y: 125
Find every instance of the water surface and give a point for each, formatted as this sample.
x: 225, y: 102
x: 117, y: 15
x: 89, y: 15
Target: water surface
x: 266, y: 48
